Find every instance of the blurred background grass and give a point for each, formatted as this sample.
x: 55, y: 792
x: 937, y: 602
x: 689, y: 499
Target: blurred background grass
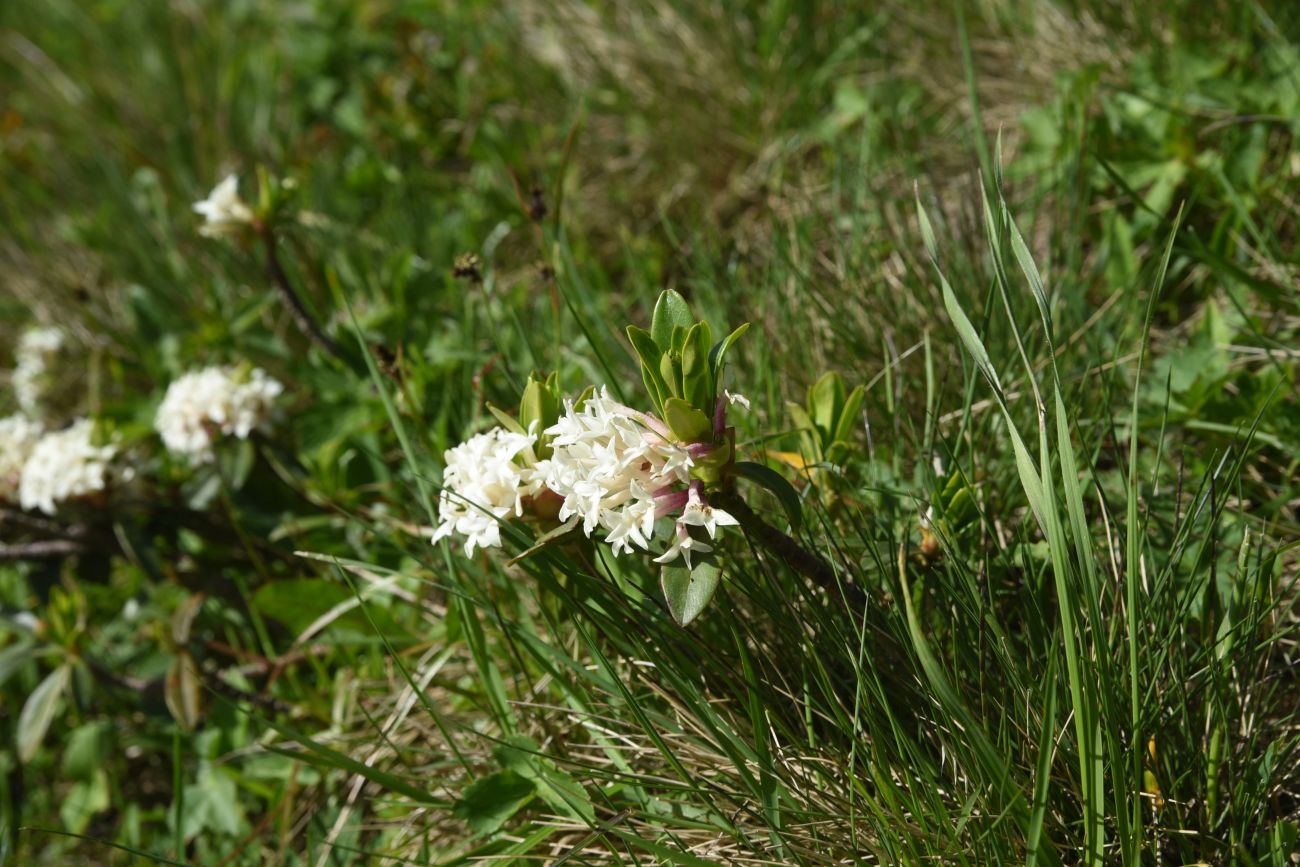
x: 765, y: 160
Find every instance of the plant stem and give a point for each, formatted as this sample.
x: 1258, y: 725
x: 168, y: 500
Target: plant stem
x: 784, y: 546
x: 46, y: 550
x: 306, y: 324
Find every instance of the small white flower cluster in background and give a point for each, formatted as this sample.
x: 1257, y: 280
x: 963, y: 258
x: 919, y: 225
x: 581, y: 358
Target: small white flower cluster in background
x: 483, y: 485
x: 616, y: 470
x: 18, y: 436
x: 34, y: 359
x: 65, y: 465
x: 223, y: 211
x: 214, y: 401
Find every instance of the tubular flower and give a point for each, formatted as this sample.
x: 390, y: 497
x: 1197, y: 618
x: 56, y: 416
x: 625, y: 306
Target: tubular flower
x: 65, y: 465
x: 614, y: 469
x: 483, y: 484
x: 214, y: 401
x: 18, y: 436
x: 223, y: 211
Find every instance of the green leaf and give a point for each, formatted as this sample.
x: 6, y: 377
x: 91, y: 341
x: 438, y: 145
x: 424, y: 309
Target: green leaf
x: 651, y: 358
x: 848, y: 420
x: 85, y: 800
x: 298, y: 602
x: 688, y: 591
x: 655, y: 387
x: 88, y: 749
x: 825, y: 401
x: 645, y: 345
x: 678, y: 341
x: 550, y: 537
x: 687, y: 423
x: 719, y: 351
x: 183, y: 691
x: 237, y: 463
x: 671, y: 375
x: 506, y: 420
x: 671, y: 310
x: 776, y: 483
x: 965, y: 330
x: 531, y: 410
x: 212, y: 804
x: 15, y: 656
x: 563, y: 793
x: 183, y: 618
x: 697, y: 377
x: 802, y: 421
x: 489, y: 801
x: 39, y: 711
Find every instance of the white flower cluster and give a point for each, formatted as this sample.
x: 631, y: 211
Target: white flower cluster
x: 65, y: 465
x: 615, y: 469
x: 34, y: 359
x: 482, y: 485
x: 214, y: 401
x: 18, y: 436
x: 223, y: 211
x: 609, y: 468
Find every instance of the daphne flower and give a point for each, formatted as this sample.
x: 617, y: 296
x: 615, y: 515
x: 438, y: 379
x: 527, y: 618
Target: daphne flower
x: 65, y: 465
x: 611, y: 465
x: 683, y: 544
x: 484, y: 484
x: 700, y: 514
x: 736, y: 398
x: 223, y: 211
x: 18, y: 436
x: 214, y: 401
x: 34, y: 359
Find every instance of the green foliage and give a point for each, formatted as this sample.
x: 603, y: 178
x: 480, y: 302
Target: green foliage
x: 1054, y: 481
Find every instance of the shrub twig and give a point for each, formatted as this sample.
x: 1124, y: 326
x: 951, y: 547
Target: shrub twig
x: 301, y: 317
x: 786, y: 547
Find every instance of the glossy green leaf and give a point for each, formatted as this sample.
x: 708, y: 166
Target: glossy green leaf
x: 651, y: 358
x: 678, y: 341
x: 688, y: 424
x: 671, y: 375
x: 645, y: 345
x: 671, y: 310
x: 697, y: 376
x: 775, y: 483
x: 688, y: 591
x: 719, y: 351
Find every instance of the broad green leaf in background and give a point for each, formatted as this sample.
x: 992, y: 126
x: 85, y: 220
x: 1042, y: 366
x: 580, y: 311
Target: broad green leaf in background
x: 488, y: 802
x: 39, y: 711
